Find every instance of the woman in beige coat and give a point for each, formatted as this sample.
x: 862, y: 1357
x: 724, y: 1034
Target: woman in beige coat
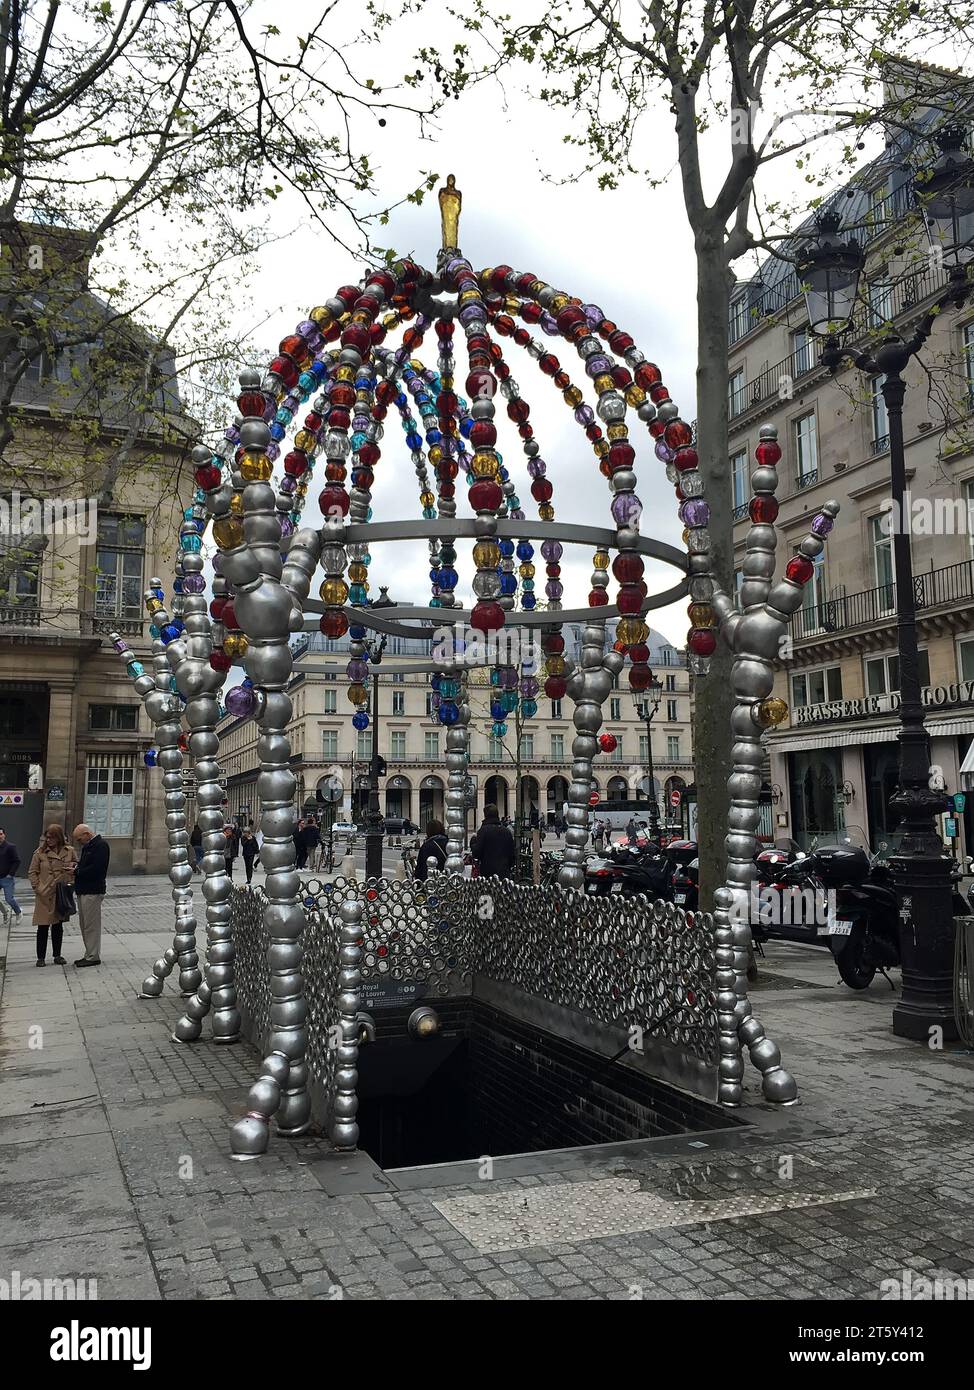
x: 53, y: 863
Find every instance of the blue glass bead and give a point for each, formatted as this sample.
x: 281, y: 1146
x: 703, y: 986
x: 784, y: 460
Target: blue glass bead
x: 153, y: 631
x: 191, y: 543
x: 514, y: 502
x: 199, y: 495
x: 433, y: 436
x: 497, y: 710
x: 414, y: 440
x: 449, y: 689
x: 277, y: 431
x: 150, y: 757
x: 525, y: 550
x: 319, y: 370
x: 359, y: 438
x: 360, y: 720
x: 135, y: 669
x: 507, y: 548
x: 498, y: 730
x: 402, y: 400
x: 448, y: 579
x: 284, y: 416
x: 527, y: 585
x: 495, y: 677
x: 422, y: 397
x: 356, y: 632
x: 529, y: 708
x: 448, y: 713
x: 169, y: 633
x: 509, y: 700
x: 429, y: 513
x: 357, y: 594
x: 307, y: 381
x: 466, y: 425
x: 436, y: 603
x: 177, y: 585
x: 528, y: 601
x: 508, y: 584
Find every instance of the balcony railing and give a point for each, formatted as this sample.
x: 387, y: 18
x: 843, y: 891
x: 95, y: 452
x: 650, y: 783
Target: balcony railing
x: 768, y: 383
x: 20, y: 615
x: 807, y: 479
x: 872, y: 607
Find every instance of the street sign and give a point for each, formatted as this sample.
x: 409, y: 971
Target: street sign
x: 960, y: 801
x: 594, y: 799
x: 675, y: 797
x: 950, y: 827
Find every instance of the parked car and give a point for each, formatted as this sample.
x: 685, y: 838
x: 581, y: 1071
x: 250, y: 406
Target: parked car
x: 397, y: 825
x: 345, y: 827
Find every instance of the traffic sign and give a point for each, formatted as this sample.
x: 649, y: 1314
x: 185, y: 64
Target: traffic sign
x: 960, y: 801
x: 675, y: 797
x: 594, y: 799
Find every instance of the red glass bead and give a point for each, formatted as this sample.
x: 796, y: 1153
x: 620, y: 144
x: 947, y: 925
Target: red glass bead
x: 531, y: 312
x: 411, y: 339
x: 503, y: 371
x: 763, y: 510
x: 525, y: 281
x: 499, y: 278
x: 686, y: 459
x: 621, y: 455
x: 555, y: 687
x: 335, y: 472
x: 486, y: 496
x: 363, y: 478
x: 447, y: 403
x: 229, y: 617
x: 518, y: 411
x: 627, y: 568
x: 799, y: 569
x: 313, y: 421
x: 522, y: 337
x: 295, y: 463
x: 444, y: 328
x: 620, y: 342
x: 486, y: 616
x: 348, y: 294
x: 768, y: 453
x: 208, y: 477
x: 604, y: 468
x: 286, y: 369
x: 385, y: 279
x: 608, y: 743
x: 569, y: 315
x: 220, y: 662
x: 647, y: 375
x: 553, y: 571
x: 598, y: 598
x: 621, y: 377
x: 702, y: 641
x: 369, y: 454
x: 217, y: 606
x: 639, y: 653
x: 659, y: 394
x: 340, y: 419
x: 678, y: 433
x: 496, y: 352
x: 355, y: 336
x: 504, y: 325
x: 333, y: 624
x: 333, y: 501
x: 593, y: 432
x: 630, y: 599
x: 385, y: 392
x: 549, y: 363
x: 640, y: 675
x: 448, y: 490
x: 656, y: 428
x: 447, y: 470
x: 252, y: 403
x: 562, y: 380
x: 526, y: 431
x: 295, y: 346
x: 343, y: 394
x: 541, y: 490
x: 553, y: 644
x: 376, y: 333
x: 483, y: 434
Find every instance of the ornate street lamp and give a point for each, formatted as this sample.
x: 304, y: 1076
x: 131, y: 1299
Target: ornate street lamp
x: 829, y: 268
x: 646, y: 703
x: 373, y: 824
x: 920, y: 867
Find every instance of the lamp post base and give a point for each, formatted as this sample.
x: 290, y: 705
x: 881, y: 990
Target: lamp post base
x: 373, y: 854
x: 925, y: 1011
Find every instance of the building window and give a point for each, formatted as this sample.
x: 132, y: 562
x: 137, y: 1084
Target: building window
x: 113, y: 718
x: 429, y: 704
x: 399, y: 702
x: 110, y: 800
x: 969, y: 365
x: 431, y: 747
x: 118, y: 567
x: 671, y: 713
x: 883, y: 673
x: 527, y: 745
x: 817, y: 687
x: 556, y: 710
x: 329, y: 743
x: 735, y: 392
x: 965, y: 660
x: 670, y: 682
x: 363, y: 745
x: 330, y: 701
x: 557, y: 748
x: 880, y: 418
x: 643, y: 748
x: 806, y: 449
x: 883, y: 571
x: 813, y: 599
x: 739, y: 483
x: 399, y: 678
x: 616, y: 755
x: 495, y: 750
x: 673, y: 747
x: 880, y: 296
x: 802, y: 357
x: 740, y: 318
x: 615, y: 709
x: 398, y: 743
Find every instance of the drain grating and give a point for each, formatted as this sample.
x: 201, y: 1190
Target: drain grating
x: 566, y: 1213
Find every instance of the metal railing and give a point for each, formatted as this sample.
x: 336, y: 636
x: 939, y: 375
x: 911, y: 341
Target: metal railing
x: 20, y: 615
x: 869, y: 607
x: 807, y: 479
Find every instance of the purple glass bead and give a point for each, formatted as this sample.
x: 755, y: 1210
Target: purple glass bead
x: 517, y: 514
x: 554, y: 588
x: 291, y: 402
x: 549, y: 324
x: 119, y: 645
x: 508, y: 678
x: 273, y: 451
x: 584, y: 415
x: 270, y: 411
x: 537, y: 468
x: 663, y: 451
x: 289, y: 485
x: 597, y: 364
x: 626, y: 509
x: 696, y: 512
x: 287, y: 526
x: 593, y: 314
x: 240, y: 701
x: 232, y: 434
x: 435, y: 698
x: 217, y: 563
x: 357, y: 670
x: 194, y: 584
x: 822, y: 524
x: 529, y: 686
x: 306, y: 328
x: 552, y: 550
x: 360, y: 422
x: 473, y: 313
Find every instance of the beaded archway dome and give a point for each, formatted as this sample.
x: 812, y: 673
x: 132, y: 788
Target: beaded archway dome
x: 323, y: 411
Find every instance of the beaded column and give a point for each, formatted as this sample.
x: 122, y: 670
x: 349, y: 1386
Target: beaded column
x: 343, y: 1128
x: 163, y: 709
x: 589, y: 687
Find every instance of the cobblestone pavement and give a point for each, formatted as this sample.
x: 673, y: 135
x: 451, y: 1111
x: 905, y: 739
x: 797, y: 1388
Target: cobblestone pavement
x: 114, y: 1163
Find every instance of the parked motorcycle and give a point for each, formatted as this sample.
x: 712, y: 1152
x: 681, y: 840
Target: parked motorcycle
x: 628, y: 869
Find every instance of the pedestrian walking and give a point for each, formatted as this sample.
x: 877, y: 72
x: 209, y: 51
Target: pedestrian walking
x: 492, y: 848
x: 9, y: 864
x: 432, y: 852
x: 90, y: 886
x: 300, y: 850
x: 231, y: 847
x: 249, y: 850
x: 52, y: 864
x: 196, y: 840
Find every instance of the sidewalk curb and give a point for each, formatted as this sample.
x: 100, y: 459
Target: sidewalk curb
x: 4, y: 943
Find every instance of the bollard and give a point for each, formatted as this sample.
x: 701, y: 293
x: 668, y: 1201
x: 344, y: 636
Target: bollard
x: 348, y: 866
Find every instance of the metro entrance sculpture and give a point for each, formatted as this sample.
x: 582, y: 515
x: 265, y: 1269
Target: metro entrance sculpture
x: 334, y: 385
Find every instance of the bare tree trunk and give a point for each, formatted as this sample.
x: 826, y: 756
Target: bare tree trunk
x: 713, y: 699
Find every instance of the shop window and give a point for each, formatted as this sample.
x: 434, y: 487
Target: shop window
x: 110, y: 800
x: 814, y: 778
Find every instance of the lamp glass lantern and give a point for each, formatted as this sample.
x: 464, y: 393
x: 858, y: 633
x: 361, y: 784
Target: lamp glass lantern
x: 647, y: 702
x: 830, y: 269
x: 946, y: 199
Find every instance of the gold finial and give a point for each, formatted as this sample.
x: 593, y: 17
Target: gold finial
x: 450, y: 200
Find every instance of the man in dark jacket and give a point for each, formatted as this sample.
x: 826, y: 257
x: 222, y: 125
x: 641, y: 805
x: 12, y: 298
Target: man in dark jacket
x: 9, y: 864
x: 90, y: 886
x: 432, y: 852
x: 492, y: 848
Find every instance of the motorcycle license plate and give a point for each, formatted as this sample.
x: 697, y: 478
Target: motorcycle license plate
x: 838, y: 928
x: 593, y: 888
x: 616, y: 888
x: 679, y: 898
